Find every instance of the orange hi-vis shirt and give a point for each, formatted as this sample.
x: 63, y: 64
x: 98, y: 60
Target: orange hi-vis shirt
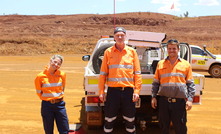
x: 174, y: 80
x: 50, y: 87
x: 120, y: 69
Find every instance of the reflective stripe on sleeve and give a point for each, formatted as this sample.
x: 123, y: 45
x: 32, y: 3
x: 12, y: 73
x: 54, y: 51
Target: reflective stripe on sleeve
x: 156, y: 81
x: 38, y: 91
x: 137, y: 72
x: 190, y: 81
x: 103, y: 73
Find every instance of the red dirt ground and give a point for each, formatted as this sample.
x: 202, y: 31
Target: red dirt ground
x: 20, y: 106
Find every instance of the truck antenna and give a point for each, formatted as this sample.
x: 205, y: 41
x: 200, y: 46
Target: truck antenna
x: 114, y: 14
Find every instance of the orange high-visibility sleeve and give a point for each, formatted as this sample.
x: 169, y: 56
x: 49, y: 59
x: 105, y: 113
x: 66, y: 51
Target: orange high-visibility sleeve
x: 38, y: 86
x: 103, y: 73
x: 137, y: 74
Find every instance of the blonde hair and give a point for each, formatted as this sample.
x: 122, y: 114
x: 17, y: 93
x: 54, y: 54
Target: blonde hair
x: 57, y: 56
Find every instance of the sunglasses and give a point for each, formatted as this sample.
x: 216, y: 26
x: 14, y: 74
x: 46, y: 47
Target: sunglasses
x: 173, y: 41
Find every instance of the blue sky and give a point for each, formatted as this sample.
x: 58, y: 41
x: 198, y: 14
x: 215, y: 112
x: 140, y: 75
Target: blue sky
x: 67, y: 7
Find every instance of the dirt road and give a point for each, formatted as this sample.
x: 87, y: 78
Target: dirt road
x: 20, y: 106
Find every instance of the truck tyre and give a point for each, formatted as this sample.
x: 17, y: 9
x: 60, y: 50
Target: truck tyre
x: 98, y: 57
x: 215, y: 71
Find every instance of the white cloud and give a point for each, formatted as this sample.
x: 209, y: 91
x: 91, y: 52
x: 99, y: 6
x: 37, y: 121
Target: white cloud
x: 208, y: 2
x: 166, y: 5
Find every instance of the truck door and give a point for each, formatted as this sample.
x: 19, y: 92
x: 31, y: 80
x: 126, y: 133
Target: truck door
x: 200, y: 60
x: 185, y: 52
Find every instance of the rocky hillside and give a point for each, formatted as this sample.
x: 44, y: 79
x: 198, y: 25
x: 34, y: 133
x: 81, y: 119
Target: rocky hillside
x: 74, y: 34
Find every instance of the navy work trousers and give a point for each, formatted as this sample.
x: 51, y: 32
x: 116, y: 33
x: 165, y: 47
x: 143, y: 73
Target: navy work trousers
x: 119, y: 101
x: 175, y: 112
x: 54, y: 112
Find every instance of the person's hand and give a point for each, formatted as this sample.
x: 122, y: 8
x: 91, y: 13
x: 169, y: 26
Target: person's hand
x: 135, y: 97
x: 102, y: 97
x: 188, y: 105
x: 154, y: 103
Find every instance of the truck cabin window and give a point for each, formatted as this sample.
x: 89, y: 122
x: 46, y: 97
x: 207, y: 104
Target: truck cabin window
x: 197, y: 51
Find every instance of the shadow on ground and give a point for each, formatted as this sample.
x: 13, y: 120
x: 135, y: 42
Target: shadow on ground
x: 152, y: 128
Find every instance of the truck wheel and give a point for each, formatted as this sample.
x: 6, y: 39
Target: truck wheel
x: 98, y: 57
x: 215, y: 71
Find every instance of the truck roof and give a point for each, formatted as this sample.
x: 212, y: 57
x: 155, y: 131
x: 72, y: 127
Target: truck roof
x: 195, y: 46
x: 145, y: 39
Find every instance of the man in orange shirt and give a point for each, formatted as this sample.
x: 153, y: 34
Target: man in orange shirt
x: 173, y: 77
x: 120, y: 70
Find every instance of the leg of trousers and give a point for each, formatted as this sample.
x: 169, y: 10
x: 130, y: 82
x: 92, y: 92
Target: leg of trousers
x: 174, y: 112
x: 54, y: 112
x: 180, y: 118
x: 128, y: 110
x: 119, y: 101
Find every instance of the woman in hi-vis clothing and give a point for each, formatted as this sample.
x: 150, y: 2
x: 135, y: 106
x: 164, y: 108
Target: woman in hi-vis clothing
x: 50, y: 85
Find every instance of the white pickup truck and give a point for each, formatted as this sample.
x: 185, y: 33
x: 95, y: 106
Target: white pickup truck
x: 150, y: 50
x: 203, y: 60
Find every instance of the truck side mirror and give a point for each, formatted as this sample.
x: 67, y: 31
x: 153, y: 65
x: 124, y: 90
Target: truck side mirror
x: 86, y: 57
x: 204, y: 47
